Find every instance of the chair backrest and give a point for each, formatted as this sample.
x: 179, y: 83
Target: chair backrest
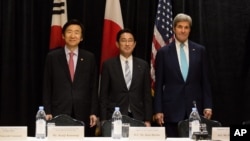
x: 246, y: 122
x: 183, y: 126
x: 65, y: 120
x: 106, y: 127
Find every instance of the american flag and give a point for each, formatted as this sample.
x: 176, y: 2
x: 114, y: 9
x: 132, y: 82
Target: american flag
x: 163, y: 33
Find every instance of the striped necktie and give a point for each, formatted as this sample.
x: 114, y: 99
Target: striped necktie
x: 128, y: 75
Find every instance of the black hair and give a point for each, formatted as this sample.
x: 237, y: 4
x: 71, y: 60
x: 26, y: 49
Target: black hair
x: 125, y: 30
x: 72, y: 22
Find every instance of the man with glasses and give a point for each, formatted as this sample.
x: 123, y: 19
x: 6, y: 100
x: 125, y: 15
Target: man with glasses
x: 125, y: 82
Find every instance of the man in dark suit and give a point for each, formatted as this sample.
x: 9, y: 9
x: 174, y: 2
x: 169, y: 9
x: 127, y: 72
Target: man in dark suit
x: 175, y: 92
x: 71, y: 90
x: 134, y: 97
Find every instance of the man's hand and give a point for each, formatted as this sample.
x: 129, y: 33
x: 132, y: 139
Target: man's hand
x: 207, y: 113
x: 147, y: 123
x: 93, y: 120
x: 49, y: 117
x: 159, y: 117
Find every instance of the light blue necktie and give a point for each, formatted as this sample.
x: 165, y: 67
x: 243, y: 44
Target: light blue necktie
x: 184, y: 64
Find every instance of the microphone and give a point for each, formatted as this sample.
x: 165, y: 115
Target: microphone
x: 194, y: 102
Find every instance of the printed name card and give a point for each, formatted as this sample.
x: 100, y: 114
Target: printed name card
x: 13, y: 133
x: 221, y: 133
x: 147, y: 133
x: 66, y: 133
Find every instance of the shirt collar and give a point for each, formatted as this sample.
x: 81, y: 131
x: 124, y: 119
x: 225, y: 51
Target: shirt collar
x: 124, y: 59
x: 67, y: 51
x: 177, y: 43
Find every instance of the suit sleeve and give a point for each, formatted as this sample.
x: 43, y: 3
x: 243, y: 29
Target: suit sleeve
x: 159, y: 82
x: 207, y: 96
x: 105, y: 81
x: 94, y: 89
x: 147, y: 95
x: 47, y: 85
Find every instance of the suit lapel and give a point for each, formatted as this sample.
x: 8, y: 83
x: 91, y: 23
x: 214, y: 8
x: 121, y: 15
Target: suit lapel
x: 63, y: 62
x: 136, y: 67
x: 119, y: 72
x: 174, y: 60
x: 192, y: 52
x: 80, y: 64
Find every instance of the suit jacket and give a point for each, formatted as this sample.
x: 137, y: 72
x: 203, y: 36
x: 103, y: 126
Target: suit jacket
x: 114, y: 91
x: 174, y: 97
x: 61, y: 95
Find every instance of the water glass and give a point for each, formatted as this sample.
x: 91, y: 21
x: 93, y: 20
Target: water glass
x: 125, y: 130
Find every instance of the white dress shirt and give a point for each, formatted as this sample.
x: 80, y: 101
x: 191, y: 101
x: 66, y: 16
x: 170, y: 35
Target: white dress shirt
x: 67, y: 51
x: 130, y: 63
x: 177, y: 44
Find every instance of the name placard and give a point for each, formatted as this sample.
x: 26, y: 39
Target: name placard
x: 147, y: 133
x: 65, y: 133
x: 221, y: 133
x: 13, y: 133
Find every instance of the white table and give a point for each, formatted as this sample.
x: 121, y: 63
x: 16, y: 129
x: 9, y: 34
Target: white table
x: 110, y: 139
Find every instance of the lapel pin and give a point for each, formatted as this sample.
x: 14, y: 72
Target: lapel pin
x: 81, y: 59
x: 193, y: 49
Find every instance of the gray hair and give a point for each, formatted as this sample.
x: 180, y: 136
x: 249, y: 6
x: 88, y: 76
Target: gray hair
x: 182, y: 17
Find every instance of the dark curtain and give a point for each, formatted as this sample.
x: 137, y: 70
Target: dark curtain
x: 222, y: 26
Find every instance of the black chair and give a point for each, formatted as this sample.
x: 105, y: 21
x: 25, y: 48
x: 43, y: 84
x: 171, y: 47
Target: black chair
x: 183, y: 126
x: 106, y: 127
x: 65, y: 120
x: 247, y: 122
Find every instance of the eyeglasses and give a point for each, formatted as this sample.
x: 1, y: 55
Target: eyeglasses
x: 126, y: 41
